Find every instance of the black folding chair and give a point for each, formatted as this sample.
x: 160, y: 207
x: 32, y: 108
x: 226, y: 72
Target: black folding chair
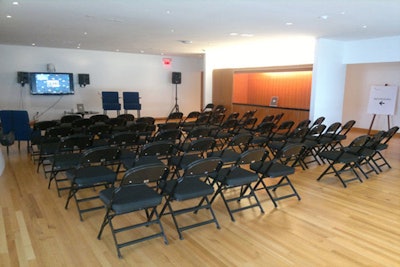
x: 196, y: 150
x: 341, y: 160
x: 278, y: 169
x: 190, y: 186
x: 92, y: 171
x: 237, y: 175
x: 67, y: 157
x: 377, y: 158
x: 134, y: 195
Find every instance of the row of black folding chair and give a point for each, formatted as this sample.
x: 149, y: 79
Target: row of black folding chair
x: 196, y: 180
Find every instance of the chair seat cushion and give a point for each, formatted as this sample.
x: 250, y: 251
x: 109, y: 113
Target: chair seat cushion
x: 272, y: 169
x: 343, y: 157
x: 237, y: 177
x: 131, y: 198
x: 65, y: 161
x: 189, y: 188
x: 91, y: 175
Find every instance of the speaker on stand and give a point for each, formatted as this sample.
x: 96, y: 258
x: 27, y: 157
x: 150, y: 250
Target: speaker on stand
x: 176, y: 79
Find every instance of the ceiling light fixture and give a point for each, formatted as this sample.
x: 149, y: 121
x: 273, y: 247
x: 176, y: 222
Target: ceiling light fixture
x: 8, y: 16
x: 324, y: 17
x: 289, y: 23
x: 247, y: 35
x: 186, y: 41
x: 15, y: 3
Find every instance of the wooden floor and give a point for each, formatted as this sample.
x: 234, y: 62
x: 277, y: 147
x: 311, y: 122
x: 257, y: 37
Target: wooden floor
x: 330, y: 226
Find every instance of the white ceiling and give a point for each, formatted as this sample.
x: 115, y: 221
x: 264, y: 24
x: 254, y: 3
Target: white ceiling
x: 161, y: 26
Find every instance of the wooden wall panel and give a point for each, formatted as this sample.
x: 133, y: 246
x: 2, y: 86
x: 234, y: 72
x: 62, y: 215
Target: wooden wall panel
x: 293, y: 88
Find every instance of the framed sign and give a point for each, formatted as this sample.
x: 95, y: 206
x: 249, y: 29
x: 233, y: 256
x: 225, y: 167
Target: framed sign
x: 382, y: 100
x: 274, y: 101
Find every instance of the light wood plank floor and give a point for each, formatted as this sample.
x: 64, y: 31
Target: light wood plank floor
x: 330, y: 226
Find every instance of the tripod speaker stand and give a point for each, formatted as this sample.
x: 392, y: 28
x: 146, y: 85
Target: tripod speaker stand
x: 176, y: 79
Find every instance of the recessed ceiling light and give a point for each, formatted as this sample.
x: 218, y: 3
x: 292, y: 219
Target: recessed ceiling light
x: 289, y: 23
x: 324, y: 17
x: 8, y: 16
x: 33, y: 44
x: 365, y: 26
x: 15, y: 3
x: 186, y: 41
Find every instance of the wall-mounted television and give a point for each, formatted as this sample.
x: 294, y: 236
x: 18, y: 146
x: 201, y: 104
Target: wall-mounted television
x: 51, y: 83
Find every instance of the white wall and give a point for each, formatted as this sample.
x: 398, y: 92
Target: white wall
x: 328, y: 82
x: 330, y: 59
x: 109, y: 71
x: 271, y: 52
x: 359, y: 80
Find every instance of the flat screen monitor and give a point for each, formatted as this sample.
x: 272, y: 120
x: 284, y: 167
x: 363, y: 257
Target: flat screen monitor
x: 51, y: 83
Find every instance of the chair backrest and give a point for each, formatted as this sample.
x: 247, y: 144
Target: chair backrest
x: 143, y: 174
x: 99, y: 118
x: 239, y: 142
x: 278, y: 117
x: 192, y: 115
x: 148, y: 120
x: 284, y: 128
x: 172, y: 135
x: 208, y: 107
x: 127, y: 117
x: 390, y: 133
x: 359, y: 141
x: 316, y: 131
x: 16, y: 121
x: 347, y: 127
x: 123, y: 139
x: 290, y: 152
x: 158, y: 148
x: 174, y: 117
x: 202, y: 167
x: 70, y: 118
x: 44, y: 125
x: 82, y: 123
x: 252, y: 155
x: 233, y: 115
x: 332, y: 129
x: 303, y: 123
x: 201, y: 146
x: 131, y: 101
x: 98, y: 130
x: 264, y: 128
x: 103, y: 155
x: 110, y: 100
x: 268, y: 118
x: 58, y: 131
x: 217, y: 119
x: 318, y: 121
x: 298, y: 135
x: 75, y: 142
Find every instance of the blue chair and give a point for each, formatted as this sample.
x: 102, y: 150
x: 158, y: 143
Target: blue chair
x: 110, y: 101
x: 16, y: 121
x: 132, y: 102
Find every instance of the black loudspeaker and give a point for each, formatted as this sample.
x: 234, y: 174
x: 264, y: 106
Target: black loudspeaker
x: 83, y: 79
x: 23, y: 77
x: 176, y: 78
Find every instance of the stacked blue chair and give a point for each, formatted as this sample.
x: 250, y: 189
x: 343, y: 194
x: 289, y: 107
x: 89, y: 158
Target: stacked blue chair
x: 132, y: 102
x: 110, y: 101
